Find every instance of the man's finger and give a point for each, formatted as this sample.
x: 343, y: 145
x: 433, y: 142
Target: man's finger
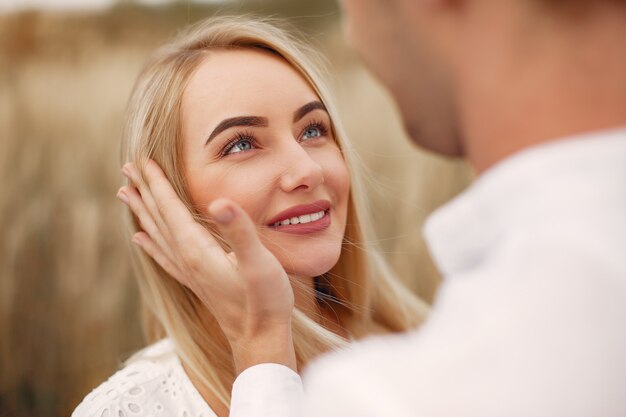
x: 147, y: 244
x: 136, y: 204
x: 237, y: 229
x: 173, y: 211
x: 133, y: 174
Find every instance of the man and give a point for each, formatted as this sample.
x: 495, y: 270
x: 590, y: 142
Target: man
x: 531, y: 317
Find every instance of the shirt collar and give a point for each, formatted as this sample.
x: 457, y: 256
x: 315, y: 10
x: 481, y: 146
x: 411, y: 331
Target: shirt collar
x: 531, y: 185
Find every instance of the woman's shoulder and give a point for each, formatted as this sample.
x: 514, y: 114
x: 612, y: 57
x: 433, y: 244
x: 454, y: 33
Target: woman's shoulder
x: 152, y: 383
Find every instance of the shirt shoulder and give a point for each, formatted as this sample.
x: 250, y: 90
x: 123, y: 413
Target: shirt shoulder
x: 512, y: 337
x: 362, y: 379
x: 153, y: 383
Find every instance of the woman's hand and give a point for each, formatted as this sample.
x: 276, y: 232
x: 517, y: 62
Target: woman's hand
x: 247, y: 290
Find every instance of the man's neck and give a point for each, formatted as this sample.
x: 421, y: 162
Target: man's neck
x: 532, y: 91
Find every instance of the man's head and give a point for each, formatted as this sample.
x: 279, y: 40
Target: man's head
x: 404, y: 56
x: 465, y: 71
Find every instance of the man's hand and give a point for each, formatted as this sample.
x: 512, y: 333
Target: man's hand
x: 247, y: 289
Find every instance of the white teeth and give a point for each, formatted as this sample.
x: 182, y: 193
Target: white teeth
x: 305, y: 218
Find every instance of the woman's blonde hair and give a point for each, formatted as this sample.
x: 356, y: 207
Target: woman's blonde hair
x: 360, y: 288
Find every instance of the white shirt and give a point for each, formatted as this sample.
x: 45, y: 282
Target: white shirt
x: 153, y: 384
x: 530, y: 319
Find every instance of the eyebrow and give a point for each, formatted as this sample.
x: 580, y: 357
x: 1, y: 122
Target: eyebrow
x: 307, y: 108
x: 257, y: 121
x: 254, y: 121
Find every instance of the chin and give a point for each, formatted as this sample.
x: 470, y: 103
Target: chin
x: 310, y: 262
x: 445, y: 142
x: 436, y: 133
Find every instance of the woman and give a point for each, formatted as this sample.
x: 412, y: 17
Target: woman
x: 233, y: 120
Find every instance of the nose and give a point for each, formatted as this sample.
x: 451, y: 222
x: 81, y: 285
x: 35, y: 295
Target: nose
x: 301, y: 171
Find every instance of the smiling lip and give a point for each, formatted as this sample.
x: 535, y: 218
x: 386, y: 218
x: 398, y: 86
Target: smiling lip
x: 300, y: 210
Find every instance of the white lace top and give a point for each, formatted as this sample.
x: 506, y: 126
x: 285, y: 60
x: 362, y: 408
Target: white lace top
x: 154, y: 384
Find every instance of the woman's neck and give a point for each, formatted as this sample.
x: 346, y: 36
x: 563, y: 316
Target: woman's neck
x: 307, y: 301
x: 305, y: 296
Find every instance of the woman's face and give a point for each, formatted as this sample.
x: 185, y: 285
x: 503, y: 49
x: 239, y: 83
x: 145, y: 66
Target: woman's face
x: 255, y: 132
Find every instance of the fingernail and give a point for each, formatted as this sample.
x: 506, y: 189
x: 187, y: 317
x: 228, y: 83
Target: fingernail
x: 122, y: 196
x: 126, y: 171
x: 136, y: 241
x: 224, y: 215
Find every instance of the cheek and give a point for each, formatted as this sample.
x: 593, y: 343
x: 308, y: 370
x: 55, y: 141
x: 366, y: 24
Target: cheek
x: 337, y: 177
x: 236, y: 184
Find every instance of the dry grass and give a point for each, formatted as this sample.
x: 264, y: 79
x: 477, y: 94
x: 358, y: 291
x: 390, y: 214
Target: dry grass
x: 68, y: 304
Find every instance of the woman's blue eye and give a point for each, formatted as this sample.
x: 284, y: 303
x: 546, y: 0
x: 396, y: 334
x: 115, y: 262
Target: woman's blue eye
x: 312, y: 132
x: 240, y: 146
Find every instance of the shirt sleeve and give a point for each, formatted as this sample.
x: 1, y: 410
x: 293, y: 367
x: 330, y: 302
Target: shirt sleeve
x: 267, y: 389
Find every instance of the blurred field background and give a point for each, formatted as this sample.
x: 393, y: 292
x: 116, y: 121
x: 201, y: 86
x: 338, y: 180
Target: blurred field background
x: 68, y: 302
